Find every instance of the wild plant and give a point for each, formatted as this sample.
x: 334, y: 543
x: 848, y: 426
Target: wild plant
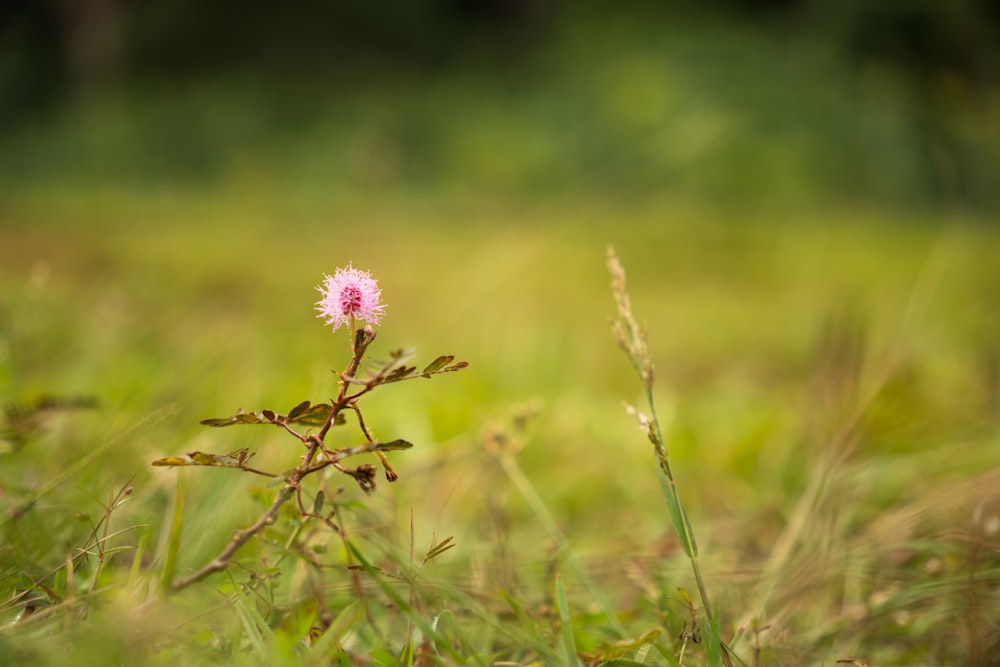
x: 634, y: 341
x: 349, y: 297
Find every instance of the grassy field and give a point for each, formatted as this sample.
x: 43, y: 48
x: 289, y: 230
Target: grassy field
x: 828, y: 389
x: 817, y: 271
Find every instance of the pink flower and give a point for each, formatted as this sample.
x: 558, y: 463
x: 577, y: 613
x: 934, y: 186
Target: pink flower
x: 347, y: 295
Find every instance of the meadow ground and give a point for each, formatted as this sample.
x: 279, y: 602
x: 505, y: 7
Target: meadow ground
x: 810, y: 235
x: 827, y: 385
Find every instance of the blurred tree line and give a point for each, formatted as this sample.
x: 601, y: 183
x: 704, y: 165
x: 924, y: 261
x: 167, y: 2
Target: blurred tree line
x: 51, y: 49
x: 514, y: 96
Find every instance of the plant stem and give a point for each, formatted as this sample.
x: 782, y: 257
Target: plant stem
x: 685, y: 525
x: 632, y: 339
x: 241, y: 537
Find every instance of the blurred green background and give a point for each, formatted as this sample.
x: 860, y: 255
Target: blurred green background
x: 741, y: 103
x: 804, y: 194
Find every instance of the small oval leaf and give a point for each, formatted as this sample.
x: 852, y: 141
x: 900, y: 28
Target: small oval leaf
x: 392, y: 446
x: 315, y: 415
x: 298, y: 410
x: 438, y: 363
x: 400, y: 373
x: 247, y: 418
x: 218, y: 421
x: 171, y: 461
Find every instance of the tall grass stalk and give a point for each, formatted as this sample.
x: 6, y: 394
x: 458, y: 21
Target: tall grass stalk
x: 632, y: 338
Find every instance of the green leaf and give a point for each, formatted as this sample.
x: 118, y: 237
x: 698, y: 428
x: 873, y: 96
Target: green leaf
x: 678, y: 517
x: 667, y: 654
x: 218, y: 421
x: 390, y: 591
x: 256, y: 629
x: 174, y: 539
x: 439, y: 548
x: 392, y: 446
x: 383, y: 656
x: 400, y: 373
x: 438, y: 363
x: 714, y: 648
x: 549, y: 657
x: 298, y: 410
x: 236, y: 459
x: 315, y: 415
x: 238, y: 418
x: 566, y: 621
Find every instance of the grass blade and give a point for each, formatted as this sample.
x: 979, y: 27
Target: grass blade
x: 566, y: 623
x: 174, y: 541
x: 390, y: 592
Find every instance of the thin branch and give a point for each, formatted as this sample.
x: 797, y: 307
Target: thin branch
x: 241, y: 537
x: 390, y: 474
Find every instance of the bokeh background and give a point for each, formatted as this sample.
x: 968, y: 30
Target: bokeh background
x: 740, y: 103
x: 804, y: 194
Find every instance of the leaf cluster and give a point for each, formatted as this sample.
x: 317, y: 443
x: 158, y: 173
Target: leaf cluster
x: 310, y: 423
x: 305, y: 414
x: 396, y: 369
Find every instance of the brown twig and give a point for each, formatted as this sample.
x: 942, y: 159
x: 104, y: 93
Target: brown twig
x: 221, y: 562
x: 317, y: 457
x: 362, y: 339
x: 390, y: 474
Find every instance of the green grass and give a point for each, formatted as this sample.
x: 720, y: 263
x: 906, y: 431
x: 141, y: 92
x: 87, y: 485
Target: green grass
x: 824, y: 333
x: 828, y: 391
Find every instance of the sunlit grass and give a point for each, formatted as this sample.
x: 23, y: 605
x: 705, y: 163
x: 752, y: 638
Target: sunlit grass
x: 824, y: 333
x: 827, y: 389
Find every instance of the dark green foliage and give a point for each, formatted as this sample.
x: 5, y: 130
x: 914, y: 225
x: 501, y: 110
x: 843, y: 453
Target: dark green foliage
x: 304, y: 413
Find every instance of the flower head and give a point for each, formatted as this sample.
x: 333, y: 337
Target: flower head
x: 349, y: 294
